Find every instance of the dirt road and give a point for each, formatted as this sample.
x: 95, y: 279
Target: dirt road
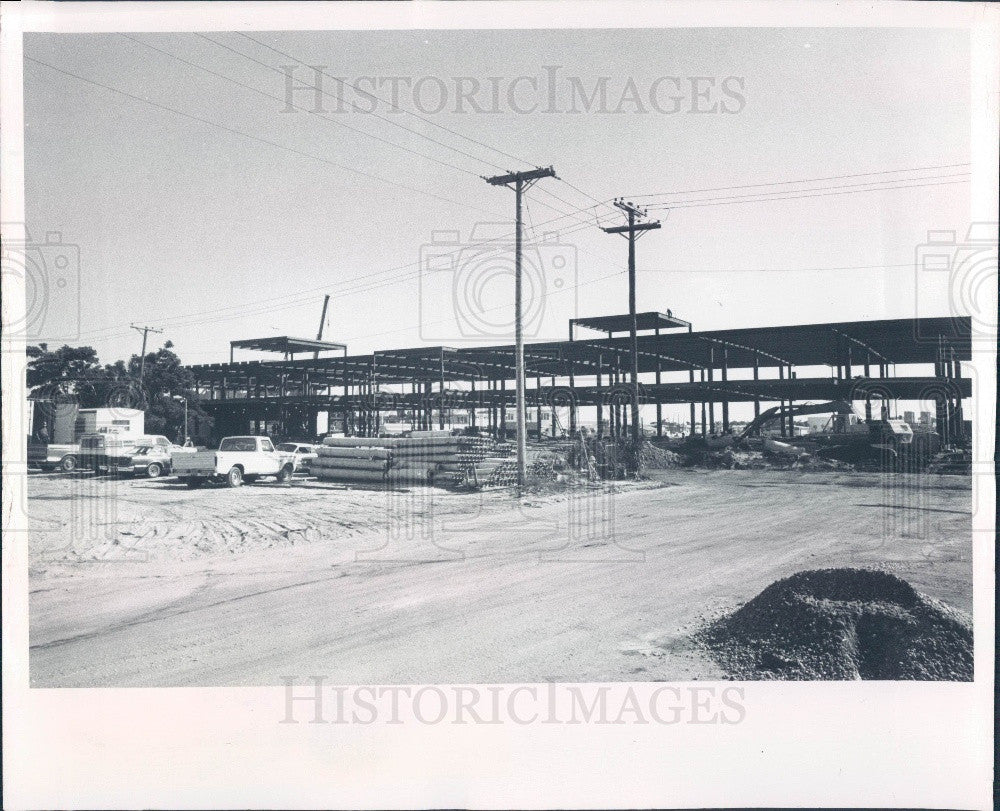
x: 148, y: 584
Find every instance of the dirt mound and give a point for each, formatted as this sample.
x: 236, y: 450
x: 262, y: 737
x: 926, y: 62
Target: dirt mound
x: 842, y: 624
x: 656, y: 458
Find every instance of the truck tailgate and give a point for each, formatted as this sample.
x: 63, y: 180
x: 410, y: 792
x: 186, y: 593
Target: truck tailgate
x: 199, y: 463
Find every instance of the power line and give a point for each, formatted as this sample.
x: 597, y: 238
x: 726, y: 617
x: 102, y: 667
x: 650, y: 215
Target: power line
x: 303, y: 109
x: 305, y: 294
x: 340, y: 98
x: 408, y: 277
x: 243, y: 134
x: 394, y: 106
x: 804, y: 180
x: 700, y: 204
x: 767, y: 194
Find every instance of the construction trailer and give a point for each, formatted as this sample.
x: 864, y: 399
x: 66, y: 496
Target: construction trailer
x: 590, y: 373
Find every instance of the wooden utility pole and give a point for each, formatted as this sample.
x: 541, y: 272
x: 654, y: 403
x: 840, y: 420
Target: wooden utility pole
x: 142, y: 358
x: 631, y: 229
x: 519, y: 182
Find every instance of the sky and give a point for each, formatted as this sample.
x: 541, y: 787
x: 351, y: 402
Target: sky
x: 227, y: 216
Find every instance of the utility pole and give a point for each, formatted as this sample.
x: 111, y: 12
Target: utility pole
x: 519, y: 182
x: 322, y: 321
x: 631, y: 230
x: 142, y: 358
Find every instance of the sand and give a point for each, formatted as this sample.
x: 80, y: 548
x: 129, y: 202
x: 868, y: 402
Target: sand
x: 146, y: 583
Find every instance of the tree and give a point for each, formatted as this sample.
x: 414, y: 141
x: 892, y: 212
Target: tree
x: 75, y: 374
x: 164, y: 377
x: 67, y: 372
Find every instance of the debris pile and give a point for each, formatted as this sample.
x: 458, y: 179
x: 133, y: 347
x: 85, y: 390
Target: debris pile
x: 840, y: 624
x: 656, y: 458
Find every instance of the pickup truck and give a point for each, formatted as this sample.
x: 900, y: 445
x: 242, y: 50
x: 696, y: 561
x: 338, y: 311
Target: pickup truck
x: 53, y: 457
x: 238, y: 459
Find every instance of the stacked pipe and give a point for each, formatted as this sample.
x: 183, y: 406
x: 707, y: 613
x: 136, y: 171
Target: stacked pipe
x: 452, y: 457
x: 421, y: 458
x: 352, y: 459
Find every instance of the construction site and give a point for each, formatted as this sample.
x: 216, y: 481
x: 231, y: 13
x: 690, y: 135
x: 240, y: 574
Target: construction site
x: 609, y: 390
x: 696, y: 474
x: 857, y: 530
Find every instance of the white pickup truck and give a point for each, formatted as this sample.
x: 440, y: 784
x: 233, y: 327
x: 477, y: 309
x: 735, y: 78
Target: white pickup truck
x: 238, y: 459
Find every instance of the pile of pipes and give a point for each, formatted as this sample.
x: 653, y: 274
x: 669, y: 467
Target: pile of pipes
x: 352, y: 459
x: 421, y: 458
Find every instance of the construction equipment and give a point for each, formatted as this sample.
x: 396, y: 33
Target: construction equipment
x: 846, y: 437
x: 781, y: 412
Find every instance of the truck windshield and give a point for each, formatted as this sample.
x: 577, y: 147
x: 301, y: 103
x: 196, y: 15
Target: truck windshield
x: 290, y: 447
x: 238, y: 443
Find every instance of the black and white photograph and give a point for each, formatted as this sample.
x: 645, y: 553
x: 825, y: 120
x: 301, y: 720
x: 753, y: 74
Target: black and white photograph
x: 461, y: 369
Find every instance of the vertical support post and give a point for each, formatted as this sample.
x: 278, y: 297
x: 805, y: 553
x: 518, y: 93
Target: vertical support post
x: 600, y: 398
x: 725, y: 377
x: 704, y: 431
x: 538, y: 404
x: 756, y: 376
x: 781, y: 421
x: 956, y: 372
x: 711, y: 401
x: 572, y: 387
x: 615, y: 406
x: 791, y: 405
x: 503, y: 409
x: 553, y: 406
x: 659, y: 405
x: 692, y: 415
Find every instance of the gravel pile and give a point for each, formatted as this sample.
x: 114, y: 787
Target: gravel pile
x: 840, y: 624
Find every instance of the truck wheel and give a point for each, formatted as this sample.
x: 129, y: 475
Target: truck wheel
x: 194, y: 482
x: 68, y: 464
x: 235, y: 477
x: 285, y: 474
x: 154, y: 470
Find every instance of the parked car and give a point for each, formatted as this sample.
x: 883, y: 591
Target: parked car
x: 304, y: 453
x: 238, y: 459
x: 157, y: 457
x: 115, y: 453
